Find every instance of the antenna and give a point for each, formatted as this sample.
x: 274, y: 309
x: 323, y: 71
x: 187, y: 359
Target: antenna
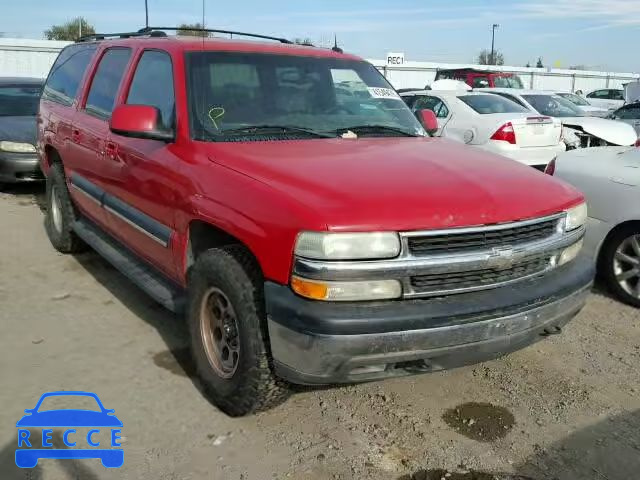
x: 336, y: 48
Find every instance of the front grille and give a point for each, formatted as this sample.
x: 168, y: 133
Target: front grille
x: 481, y: 239
x: 476, y: 279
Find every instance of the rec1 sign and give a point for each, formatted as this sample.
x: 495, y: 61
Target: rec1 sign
x: 395, y: 59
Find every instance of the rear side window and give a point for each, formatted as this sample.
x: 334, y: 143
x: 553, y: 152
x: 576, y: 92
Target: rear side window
x: 616, y: 95
x: 102, y: 94
x: 487, y: 104
x: 152, y: 85
x: 67, y: 72
x: 599, y: 94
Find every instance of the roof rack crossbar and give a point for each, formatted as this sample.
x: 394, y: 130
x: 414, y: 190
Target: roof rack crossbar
x: 103, y: 36
x: 211, y: 30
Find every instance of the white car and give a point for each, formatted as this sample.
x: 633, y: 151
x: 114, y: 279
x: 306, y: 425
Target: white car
x: 580, y: 131
x: 610, y: 179
x: 584, y: 106
x: 609, y: 98
x: 492, y: 123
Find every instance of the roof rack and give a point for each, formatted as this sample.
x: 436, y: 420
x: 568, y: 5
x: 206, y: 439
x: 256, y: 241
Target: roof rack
x: 159, y: 32
x: 212, y: 30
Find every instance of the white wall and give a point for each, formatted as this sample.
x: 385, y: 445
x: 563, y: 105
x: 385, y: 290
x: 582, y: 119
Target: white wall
x: 28, y: 58
x: 419, y: 74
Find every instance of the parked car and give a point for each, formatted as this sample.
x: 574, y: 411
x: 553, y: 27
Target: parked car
x: 580, y: 131
x: 584, y: 106
x: 492, y: 123
x: 19, y: 99
x: 628, y: 114
x: 309, y: 237
x: 477, y: 78
x: 610, y: 179
x: 609, y: 98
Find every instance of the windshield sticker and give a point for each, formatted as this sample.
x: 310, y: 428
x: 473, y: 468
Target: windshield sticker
x: 215, y: 114
x: 389, y: 93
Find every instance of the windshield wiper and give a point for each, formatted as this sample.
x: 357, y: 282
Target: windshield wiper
x: 375, y: 129
x: 275, y: 129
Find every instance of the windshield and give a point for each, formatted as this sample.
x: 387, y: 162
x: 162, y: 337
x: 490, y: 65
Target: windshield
x: 287, y: 97
x: 19, y: 100
x: 575, y: 99
x: 553, y: 106
x: 486, y: 104
x: 512, y: 81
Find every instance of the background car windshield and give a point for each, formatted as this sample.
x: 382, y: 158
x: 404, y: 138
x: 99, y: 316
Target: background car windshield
x: 19, y: 101
x: 573, y: 98
x: 553, y: 105
x: 69, y: 402
x: 507, y: 82
x: 486, y: 104
x: 235, y: 90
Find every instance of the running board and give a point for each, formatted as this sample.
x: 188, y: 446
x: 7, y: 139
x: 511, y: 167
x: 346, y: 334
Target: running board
x: 147, y: 278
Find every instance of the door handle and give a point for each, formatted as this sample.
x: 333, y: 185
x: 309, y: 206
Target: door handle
x: 111, y: 150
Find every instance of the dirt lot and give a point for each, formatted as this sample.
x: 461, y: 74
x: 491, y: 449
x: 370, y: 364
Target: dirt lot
x: 565, y: 408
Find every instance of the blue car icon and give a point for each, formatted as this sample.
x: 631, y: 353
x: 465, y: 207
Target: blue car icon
x: 68, y: 419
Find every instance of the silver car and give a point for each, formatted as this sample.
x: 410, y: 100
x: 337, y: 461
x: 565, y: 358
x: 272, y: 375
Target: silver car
x: 610, y: 179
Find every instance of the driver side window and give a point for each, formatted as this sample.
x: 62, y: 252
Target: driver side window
x: 434, y: 104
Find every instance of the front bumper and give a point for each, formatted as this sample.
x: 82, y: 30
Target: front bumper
x: 325, y: 343
x: 19, y: 167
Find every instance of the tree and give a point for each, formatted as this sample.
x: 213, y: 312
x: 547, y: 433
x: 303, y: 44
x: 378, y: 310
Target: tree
x: 528, y: 65
x: 71, y: 31
x: 192, y: 29
x: 539, y: 64
x: 303, y: 41
x: 484, y: 58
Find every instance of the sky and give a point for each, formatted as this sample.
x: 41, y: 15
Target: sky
x: 600, y: 34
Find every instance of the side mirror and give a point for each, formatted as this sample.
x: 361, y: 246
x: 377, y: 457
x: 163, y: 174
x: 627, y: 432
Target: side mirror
x: 138, y: 121
x: 28, y: 410
x: 428, y: 120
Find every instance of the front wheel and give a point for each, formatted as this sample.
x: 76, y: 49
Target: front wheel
x: 61, y: 214
x: 228, y: 332
x: 620, y: 264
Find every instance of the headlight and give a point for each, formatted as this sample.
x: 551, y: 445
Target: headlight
x: 15, y: 147
x: 576, y: 217
x: 347, y: 246
x: 346, y: 291
x: 570, y: 253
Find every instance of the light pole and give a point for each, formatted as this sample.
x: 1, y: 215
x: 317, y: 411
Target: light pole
x: 146, y: 14
x: 492, y: 60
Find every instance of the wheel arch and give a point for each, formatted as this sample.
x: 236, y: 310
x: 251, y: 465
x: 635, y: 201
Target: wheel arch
x: 620, y: 226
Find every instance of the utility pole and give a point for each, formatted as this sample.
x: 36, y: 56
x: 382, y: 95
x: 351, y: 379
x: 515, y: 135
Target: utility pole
x: 80, y: 27
x: 492, y: 60
x: 146, y: 14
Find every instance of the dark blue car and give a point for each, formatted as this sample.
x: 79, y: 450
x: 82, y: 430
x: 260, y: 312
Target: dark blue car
x: 69, y: 418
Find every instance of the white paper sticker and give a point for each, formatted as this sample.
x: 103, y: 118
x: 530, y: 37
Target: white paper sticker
x: 378, y: 92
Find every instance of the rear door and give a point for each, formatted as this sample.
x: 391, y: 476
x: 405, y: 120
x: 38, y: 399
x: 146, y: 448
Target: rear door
x: 92, y: 170
x: 143, y: 194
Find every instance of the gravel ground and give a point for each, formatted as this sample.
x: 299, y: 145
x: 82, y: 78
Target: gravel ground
x: 565, y: 408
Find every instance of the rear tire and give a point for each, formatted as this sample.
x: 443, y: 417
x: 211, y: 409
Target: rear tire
x: 61, y: 214
x: 620, y: 264
x: 229, y: 339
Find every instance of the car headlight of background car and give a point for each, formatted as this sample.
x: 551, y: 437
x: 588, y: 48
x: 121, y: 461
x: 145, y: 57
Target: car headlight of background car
x: 17, y: 147
x: 576, y: 217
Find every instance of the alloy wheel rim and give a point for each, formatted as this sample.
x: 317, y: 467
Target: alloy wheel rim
x: 56, y: 209
x: 219, y: 331
x: 626, y: 265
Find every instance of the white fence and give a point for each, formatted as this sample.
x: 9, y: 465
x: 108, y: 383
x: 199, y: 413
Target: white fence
x: 33, y: 58
x: 419, y: 74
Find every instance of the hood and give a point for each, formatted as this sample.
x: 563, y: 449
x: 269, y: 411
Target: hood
x: 612, y: 131
x: 69, y: 418
x: 18, y: 129
x: 632, y: 92
x: 397, y: 183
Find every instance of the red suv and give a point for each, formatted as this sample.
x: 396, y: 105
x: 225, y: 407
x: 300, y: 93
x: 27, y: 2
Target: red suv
x: 288, y: 201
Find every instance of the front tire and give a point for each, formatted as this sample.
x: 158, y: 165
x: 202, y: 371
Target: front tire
x: 61, y: 214
x: 620, y: 264
x: 228, y: 332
